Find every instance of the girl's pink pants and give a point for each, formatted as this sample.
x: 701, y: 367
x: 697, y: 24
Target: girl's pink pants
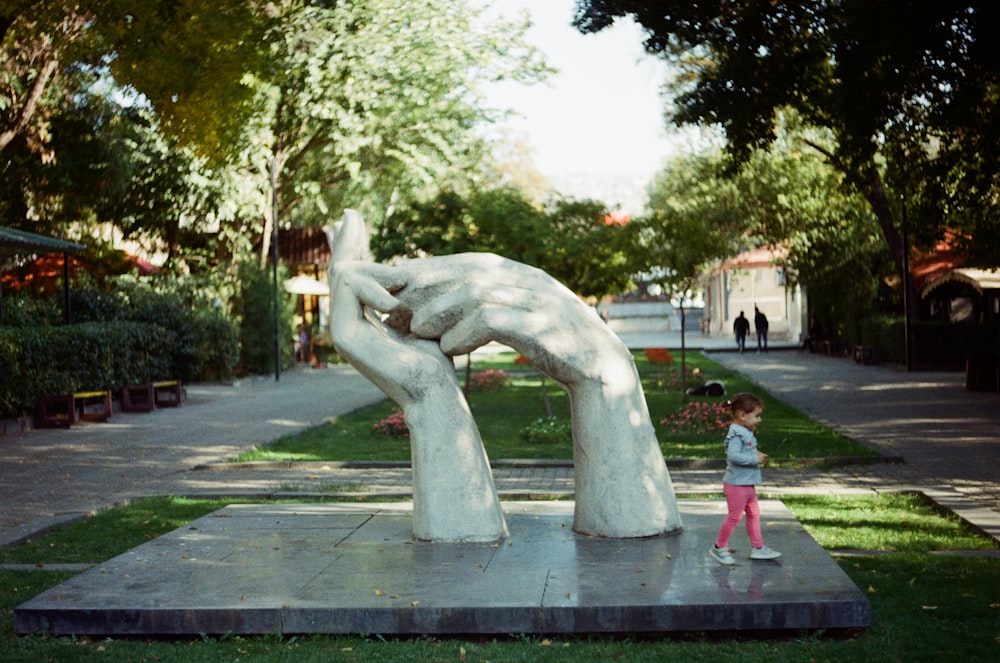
x: 740, y: 500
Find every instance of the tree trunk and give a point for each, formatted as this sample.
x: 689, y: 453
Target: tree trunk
x: 683, y: 355
x: 893, y: 238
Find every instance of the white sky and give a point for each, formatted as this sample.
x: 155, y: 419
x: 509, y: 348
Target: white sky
x: 602, y: 113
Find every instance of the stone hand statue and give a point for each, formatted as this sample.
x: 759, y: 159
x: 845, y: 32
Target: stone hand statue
x: 454, y: 497
x: 461, y: 302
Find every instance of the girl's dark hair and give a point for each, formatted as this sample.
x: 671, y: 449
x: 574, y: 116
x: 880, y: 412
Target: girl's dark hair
x: 744, y: 402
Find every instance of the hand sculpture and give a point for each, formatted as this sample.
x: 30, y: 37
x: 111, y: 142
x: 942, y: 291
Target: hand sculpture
x: 467, y: 300
x: 454, y: 497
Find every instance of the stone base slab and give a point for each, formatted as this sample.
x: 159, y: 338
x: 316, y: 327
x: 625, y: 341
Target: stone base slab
x: 354, y: 568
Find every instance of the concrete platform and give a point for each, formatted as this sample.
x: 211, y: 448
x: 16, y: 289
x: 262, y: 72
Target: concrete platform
x: 354, y: 568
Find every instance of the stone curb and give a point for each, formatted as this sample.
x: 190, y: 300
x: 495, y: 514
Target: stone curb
x: 679, y: 463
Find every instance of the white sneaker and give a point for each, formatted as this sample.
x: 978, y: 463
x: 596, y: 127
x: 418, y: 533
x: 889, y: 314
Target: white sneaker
x: 764, y: 553
x: 722, y: 556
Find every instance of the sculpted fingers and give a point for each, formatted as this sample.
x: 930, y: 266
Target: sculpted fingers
x: 434, y: 317
x: 366, y: 290
x: 390, y: 277
x: 350, y: 239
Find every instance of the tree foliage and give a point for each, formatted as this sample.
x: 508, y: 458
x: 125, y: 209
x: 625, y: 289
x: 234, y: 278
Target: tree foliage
x: 569, y: 239
x: 786, y: 196
x: 362, y: 102
x: 908, y: 91
x: 175, y: 119
x: 187, y: 58
x: 691, y: 223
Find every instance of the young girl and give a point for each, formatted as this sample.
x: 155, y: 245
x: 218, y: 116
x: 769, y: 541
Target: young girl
x: 743, y: 462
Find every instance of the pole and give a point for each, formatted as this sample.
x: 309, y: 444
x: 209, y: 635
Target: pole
x: 67, y: 311
x: 274, y: 269
x: 277, y: 307
x: 907, y: 304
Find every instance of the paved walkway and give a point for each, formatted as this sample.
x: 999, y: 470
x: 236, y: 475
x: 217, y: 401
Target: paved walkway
x: 946, y: 435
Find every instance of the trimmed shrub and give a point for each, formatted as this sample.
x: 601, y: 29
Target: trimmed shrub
x: 488, y: 381
x: 94, y: 355
x: 547, y: 430
x: 254, y: 309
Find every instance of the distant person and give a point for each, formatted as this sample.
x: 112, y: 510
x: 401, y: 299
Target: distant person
x: 760, y: 328
x: 303, y: 343
x: 741, y: 327
x: 815, y: 334
x: 743, y: 461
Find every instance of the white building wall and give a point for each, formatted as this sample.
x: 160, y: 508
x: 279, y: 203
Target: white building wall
x: 732, y: 291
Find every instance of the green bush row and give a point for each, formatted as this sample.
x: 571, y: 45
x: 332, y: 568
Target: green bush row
x: 35, y: 361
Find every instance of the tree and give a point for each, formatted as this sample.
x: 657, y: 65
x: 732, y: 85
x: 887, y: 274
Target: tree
x: 570, y: 239
x: 586, y: 250
x: 690, y: 224
x: 187, y: 59
x: 786, y: 196
x: 367, y: 99
x: 75, y: 154
x: 887, y: 79
x: 790, y: 196
x: 34, y: 36
x: 316, y: 105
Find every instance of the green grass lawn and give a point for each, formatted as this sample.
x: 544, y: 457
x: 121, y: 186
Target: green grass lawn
x: 784, y: 433
x: 925, y: 607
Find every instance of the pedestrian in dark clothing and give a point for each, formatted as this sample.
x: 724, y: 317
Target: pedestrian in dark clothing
x: 760, y: 328
x: 814, y: 336
x: 741, y: 327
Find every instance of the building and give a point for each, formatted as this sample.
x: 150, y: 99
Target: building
x: 755, y: 278
x: 950, y: 291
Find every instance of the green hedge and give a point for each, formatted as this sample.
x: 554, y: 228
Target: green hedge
x: 35, y: 361
x: 934, y: 345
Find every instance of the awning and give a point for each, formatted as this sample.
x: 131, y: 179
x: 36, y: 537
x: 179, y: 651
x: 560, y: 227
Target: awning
x: 22, y: 240
x: 980, y: 279
x: 306, y: 285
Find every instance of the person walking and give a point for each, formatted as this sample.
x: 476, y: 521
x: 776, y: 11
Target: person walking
x: 741, y: 327
x: 743, y: 461
x: 814, y: 336
x: 760, y: 328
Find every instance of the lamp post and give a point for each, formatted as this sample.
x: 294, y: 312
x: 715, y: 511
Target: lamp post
x: 274, y: 269
x: 906, y: 295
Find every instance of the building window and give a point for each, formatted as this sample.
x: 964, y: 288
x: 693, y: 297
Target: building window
x: 779, y: 274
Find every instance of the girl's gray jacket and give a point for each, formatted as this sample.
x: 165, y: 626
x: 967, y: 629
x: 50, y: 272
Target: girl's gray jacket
x: 742, y: 467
